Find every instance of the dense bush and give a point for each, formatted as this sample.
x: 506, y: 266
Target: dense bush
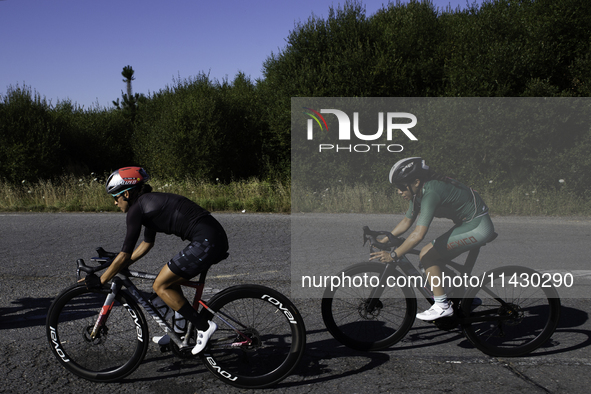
x: 202, y: 130
x: 29, y: 138
x: 502, y: 49
x: 94, y: 140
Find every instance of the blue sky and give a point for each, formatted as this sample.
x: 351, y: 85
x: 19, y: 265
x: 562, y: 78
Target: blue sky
x: 76, y: 49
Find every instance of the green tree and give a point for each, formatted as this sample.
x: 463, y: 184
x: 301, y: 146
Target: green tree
x: 129, y: 103
x: 201, y: 129
x: 128, y: 75
x: 29, y: 139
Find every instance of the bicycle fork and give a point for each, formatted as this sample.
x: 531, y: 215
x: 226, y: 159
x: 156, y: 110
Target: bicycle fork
x: 105, y: 311
x: 373, y: 301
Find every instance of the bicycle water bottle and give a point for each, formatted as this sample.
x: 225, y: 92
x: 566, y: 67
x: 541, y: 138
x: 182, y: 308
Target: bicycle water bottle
x: 421, y: 268
x: 161, y: 306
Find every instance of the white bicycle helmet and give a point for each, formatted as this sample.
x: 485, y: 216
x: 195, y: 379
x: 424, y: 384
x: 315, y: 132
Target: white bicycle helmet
x: 407, y: 170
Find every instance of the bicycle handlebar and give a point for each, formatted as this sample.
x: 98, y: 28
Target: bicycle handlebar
x: 104, y: 259
x: 371, y: 235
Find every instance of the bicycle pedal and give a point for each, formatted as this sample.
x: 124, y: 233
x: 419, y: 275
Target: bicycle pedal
x: 165, y: 348
x: 446, y: 323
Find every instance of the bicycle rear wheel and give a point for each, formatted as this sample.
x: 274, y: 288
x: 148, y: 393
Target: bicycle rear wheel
x: 512, y: 320
x: 352, y: 318
x: 272, y: 323
x: 120, y: 345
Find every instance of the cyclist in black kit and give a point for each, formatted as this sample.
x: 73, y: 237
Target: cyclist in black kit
x: 170, y: 214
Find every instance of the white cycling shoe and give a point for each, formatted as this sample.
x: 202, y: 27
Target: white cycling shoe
x: 203, y: 337
x: 437, y: 311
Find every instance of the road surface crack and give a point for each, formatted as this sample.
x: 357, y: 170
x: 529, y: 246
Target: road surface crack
x: 522, y: 376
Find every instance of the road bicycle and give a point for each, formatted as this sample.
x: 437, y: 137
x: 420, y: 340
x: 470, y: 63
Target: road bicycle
x: 505, y: 312
x: 102, y: 335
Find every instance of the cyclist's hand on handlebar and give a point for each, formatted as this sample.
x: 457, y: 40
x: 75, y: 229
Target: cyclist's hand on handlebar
x: 382, y: 256
x: 92, y: 282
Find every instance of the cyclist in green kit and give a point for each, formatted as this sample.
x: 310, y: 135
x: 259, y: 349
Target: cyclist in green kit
x: 433, y: 195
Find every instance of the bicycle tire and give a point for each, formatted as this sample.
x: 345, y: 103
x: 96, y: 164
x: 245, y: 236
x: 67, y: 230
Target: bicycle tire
x: 115, y: 353
x: 345, y: 314
x: 274, y: 324
x: 531, y: 318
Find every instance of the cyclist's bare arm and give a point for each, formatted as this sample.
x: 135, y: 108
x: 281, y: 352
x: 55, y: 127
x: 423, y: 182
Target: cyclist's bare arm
x: 400, y: 228
x: 124, y: 260
x: 410, y: 243
x: 413, y: 240
x: 141, y: 251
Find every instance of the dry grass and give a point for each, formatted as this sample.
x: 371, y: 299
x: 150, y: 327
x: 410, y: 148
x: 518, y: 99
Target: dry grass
x: 361, y: 198
x: 88, y: 194
x: 75, y: 194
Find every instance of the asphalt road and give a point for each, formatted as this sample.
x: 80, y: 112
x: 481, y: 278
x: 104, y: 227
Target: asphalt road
x: 37, y: 260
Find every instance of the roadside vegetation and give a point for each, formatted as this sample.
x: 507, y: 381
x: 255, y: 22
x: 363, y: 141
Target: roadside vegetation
x: 525, y: 201
x: 227, y: 144
x: 87, y: 194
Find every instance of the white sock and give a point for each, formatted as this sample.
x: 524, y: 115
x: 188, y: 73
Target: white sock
x: 442, y: 301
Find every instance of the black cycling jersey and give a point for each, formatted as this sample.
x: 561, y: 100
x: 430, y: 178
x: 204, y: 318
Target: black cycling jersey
x: 162, y: 213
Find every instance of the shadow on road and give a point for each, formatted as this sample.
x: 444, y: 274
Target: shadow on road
x: 26, y: 312
x: 315, y: 368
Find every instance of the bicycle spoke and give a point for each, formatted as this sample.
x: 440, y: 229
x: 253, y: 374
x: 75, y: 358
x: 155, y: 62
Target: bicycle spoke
x: 117, y: 348
x: 351, y: 319
x: 276, y: 340
x: 517, y: 321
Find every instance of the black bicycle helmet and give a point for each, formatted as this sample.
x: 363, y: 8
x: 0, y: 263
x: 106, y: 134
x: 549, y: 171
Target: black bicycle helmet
x: 407, y: 170
x: 126, y: 178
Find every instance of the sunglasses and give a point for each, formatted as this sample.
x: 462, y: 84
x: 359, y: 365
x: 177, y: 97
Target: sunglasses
x: 402, y: 188
x: 116, y: 196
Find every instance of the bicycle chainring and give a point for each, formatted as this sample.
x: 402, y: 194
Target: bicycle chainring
x: 447, y: 323
x: 185, y: 352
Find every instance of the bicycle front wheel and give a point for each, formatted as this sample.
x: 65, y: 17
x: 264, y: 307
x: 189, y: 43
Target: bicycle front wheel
x: 364, y: 323
x: 115, y: 352
x: 268, y: 340
x: 512, y: 313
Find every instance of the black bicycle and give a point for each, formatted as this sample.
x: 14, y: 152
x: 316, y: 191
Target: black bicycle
x: 102, y: 335
x: 508, y: 311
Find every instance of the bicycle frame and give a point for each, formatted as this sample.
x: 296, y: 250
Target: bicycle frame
x: 409, y: 269
x: 123, y: 280
x: 103, y: 334
x: 362, y: 320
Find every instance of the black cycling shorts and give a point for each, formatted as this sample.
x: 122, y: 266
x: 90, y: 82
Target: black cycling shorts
x: 209, y: 246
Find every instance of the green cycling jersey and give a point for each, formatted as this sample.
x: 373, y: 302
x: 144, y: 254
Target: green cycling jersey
x: 446, y: 199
